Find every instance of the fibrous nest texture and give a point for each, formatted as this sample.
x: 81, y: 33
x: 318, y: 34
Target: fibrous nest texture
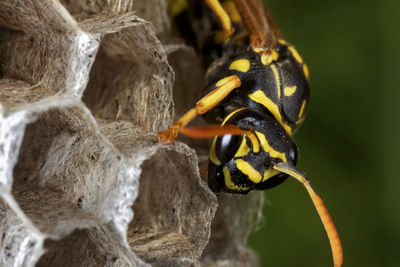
x: 84, y: 88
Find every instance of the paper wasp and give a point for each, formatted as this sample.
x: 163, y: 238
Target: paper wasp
x: 256, y: 98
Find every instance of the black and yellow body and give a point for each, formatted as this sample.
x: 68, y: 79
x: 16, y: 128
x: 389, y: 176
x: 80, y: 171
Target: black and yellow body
x: 277, y: 84
x: 256, y: 99
x: 275, y: 97
x: 237, y: 166
x: 274, y: 90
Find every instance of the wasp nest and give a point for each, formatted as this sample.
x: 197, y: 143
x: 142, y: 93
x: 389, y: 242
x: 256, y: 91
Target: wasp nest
x: 84, y: 88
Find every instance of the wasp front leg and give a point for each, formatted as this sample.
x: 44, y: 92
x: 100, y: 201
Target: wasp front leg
x: 223, y: 88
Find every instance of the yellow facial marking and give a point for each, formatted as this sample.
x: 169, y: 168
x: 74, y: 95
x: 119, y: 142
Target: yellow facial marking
x: 261, y: 98
x: 248, y: 170
x: 228, y: 181
x: 301, y: 113
x: 277, y: 81
x: 290, y: 90
x: 269, y: 173
x: 295, y: 54
x: 306, y: 71
x: 242, y: 65
x: 213, y: 157
x: 267, y: 148
x: 268, y: 56
x: 243, y: 150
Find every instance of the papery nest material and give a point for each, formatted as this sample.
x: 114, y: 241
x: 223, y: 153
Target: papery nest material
x: 84, y: 87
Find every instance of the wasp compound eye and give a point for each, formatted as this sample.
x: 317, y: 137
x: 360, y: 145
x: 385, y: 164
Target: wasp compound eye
x: 227, y: 146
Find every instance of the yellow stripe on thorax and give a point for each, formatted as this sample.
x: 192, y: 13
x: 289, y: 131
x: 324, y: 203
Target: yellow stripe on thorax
x: 242, y: 65
x: 248, y: 170
x: 295, y: 54
x: 306, y: 71
x: 267, y: 148
x: 277, y: 80
x: 259, y: 97
x: 303, y: 105
x: 228, y: 181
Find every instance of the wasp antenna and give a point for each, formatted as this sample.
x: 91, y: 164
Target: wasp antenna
x: 212, y: 131
x: 326, y: 219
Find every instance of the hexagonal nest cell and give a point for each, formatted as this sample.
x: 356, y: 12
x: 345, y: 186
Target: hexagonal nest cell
x: 84, y: 88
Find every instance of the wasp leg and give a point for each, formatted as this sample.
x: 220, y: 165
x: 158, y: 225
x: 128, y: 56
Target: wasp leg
x: 223, y: 17
x: 224, y: 87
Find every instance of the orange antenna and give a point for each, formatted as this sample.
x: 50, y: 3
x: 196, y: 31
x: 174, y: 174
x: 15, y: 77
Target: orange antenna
x: 211, y: 131
x: 326, y: 219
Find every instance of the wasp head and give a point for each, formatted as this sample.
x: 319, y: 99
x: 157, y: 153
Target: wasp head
x: 240, y: 163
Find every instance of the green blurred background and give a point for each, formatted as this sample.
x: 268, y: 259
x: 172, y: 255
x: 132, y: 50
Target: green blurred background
x: 349, y: 144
